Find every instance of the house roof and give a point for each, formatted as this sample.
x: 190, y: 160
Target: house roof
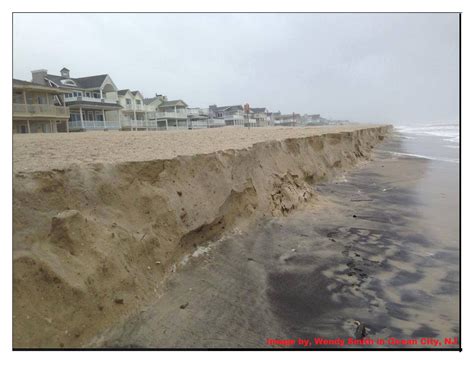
x: 99, y: 104
x: 123, y: 92
x: 150, y: 100
x: 224, y: 108
x: 88, y: 82
x: 172, y: 103
x: 20, y: 84
x: 259, y: 110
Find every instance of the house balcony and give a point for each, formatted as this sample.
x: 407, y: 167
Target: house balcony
x: 237, y: 116
x: 172, y: 115
x: 92, y: 125
x: 40, y: 110
x: 198, y: 124
x: 131, y: 108
x: 198, y: 112
x: 87, y: 99
x: 138, y: 123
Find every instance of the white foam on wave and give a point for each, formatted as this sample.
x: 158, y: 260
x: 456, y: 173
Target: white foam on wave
x: 451, y: 160
x: 449, y: 132
x: 453, y: 139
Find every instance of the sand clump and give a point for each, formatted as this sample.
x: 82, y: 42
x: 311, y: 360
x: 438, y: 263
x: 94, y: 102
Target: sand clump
x: 94, y: 241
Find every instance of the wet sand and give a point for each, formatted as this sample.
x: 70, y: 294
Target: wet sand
x: 368, y: 250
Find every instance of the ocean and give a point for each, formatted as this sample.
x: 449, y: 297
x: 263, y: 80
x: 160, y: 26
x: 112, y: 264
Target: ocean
x: 434, y: 141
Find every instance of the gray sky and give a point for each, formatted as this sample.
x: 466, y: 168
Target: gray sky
x: 401, y: 68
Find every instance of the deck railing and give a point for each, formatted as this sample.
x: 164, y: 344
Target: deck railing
x: 93, y: 125
x: 236, y: 116
x: 198, y: 124
x: 134, y: 107
x: 137, y: 123
x: 177, y: 115
x: 89, y: 99
x: 216, y: 122
x: 40, y: 110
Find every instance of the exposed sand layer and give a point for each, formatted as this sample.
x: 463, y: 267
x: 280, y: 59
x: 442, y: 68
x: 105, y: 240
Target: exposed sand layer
x: 94, y: 241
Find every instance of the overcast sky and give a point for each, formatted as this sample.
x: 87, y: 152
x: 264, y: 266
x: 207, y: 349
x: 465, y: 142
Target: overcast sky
x: 401, y: 68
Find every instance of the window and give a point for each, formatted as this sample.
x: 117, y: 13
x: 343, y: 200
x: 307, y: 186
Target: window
x: 128, y: 101
x: 90, y: 115
x: 99, y: 117
x: 75, y: 117
x: 18, y: 98
x: 88, y: 94
x: 96, y: 95
x: 68, y: 82
x: 40, y: 99
x: 138, y: 102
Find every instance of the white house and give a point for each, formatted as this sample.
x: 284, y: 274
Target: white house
x: 92, y: 100
x: 231, y: 115
x: 167, y: 114
x: 260, y: 116
x: 198, y: 118
x: 133, y: 115
x: 38, y: 108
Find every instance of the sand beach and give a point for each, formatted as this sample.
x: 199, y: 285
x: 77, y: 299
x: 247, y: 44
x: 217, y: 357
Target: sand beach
x: 45, y: 151
x: 146, y: 239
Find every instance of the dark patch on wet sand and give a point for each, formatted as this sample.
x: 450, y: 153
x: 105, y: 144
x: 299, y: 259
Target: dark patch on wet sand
x: 406, y: 277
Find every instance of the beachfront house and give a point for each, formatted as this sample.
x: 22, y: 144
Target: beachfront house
x: 167, y: 114
x: 249, y: 120
x: 289, y: 120
x: 271, y: 118
x: 230, y: 115
x: 260, y: 116
x: 133, y: 115
x: 92, y: 100
x: 311, y: 119
x: 38, y: 108
x: 198, y: 118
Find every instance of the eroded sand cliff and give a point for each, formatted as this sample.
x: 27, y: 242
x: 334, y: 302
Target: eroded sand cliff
x: 92, y: 242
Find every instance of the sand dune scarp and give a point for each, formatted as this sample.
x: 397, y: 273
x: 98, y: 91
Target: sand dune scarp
x: 93, y: 242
